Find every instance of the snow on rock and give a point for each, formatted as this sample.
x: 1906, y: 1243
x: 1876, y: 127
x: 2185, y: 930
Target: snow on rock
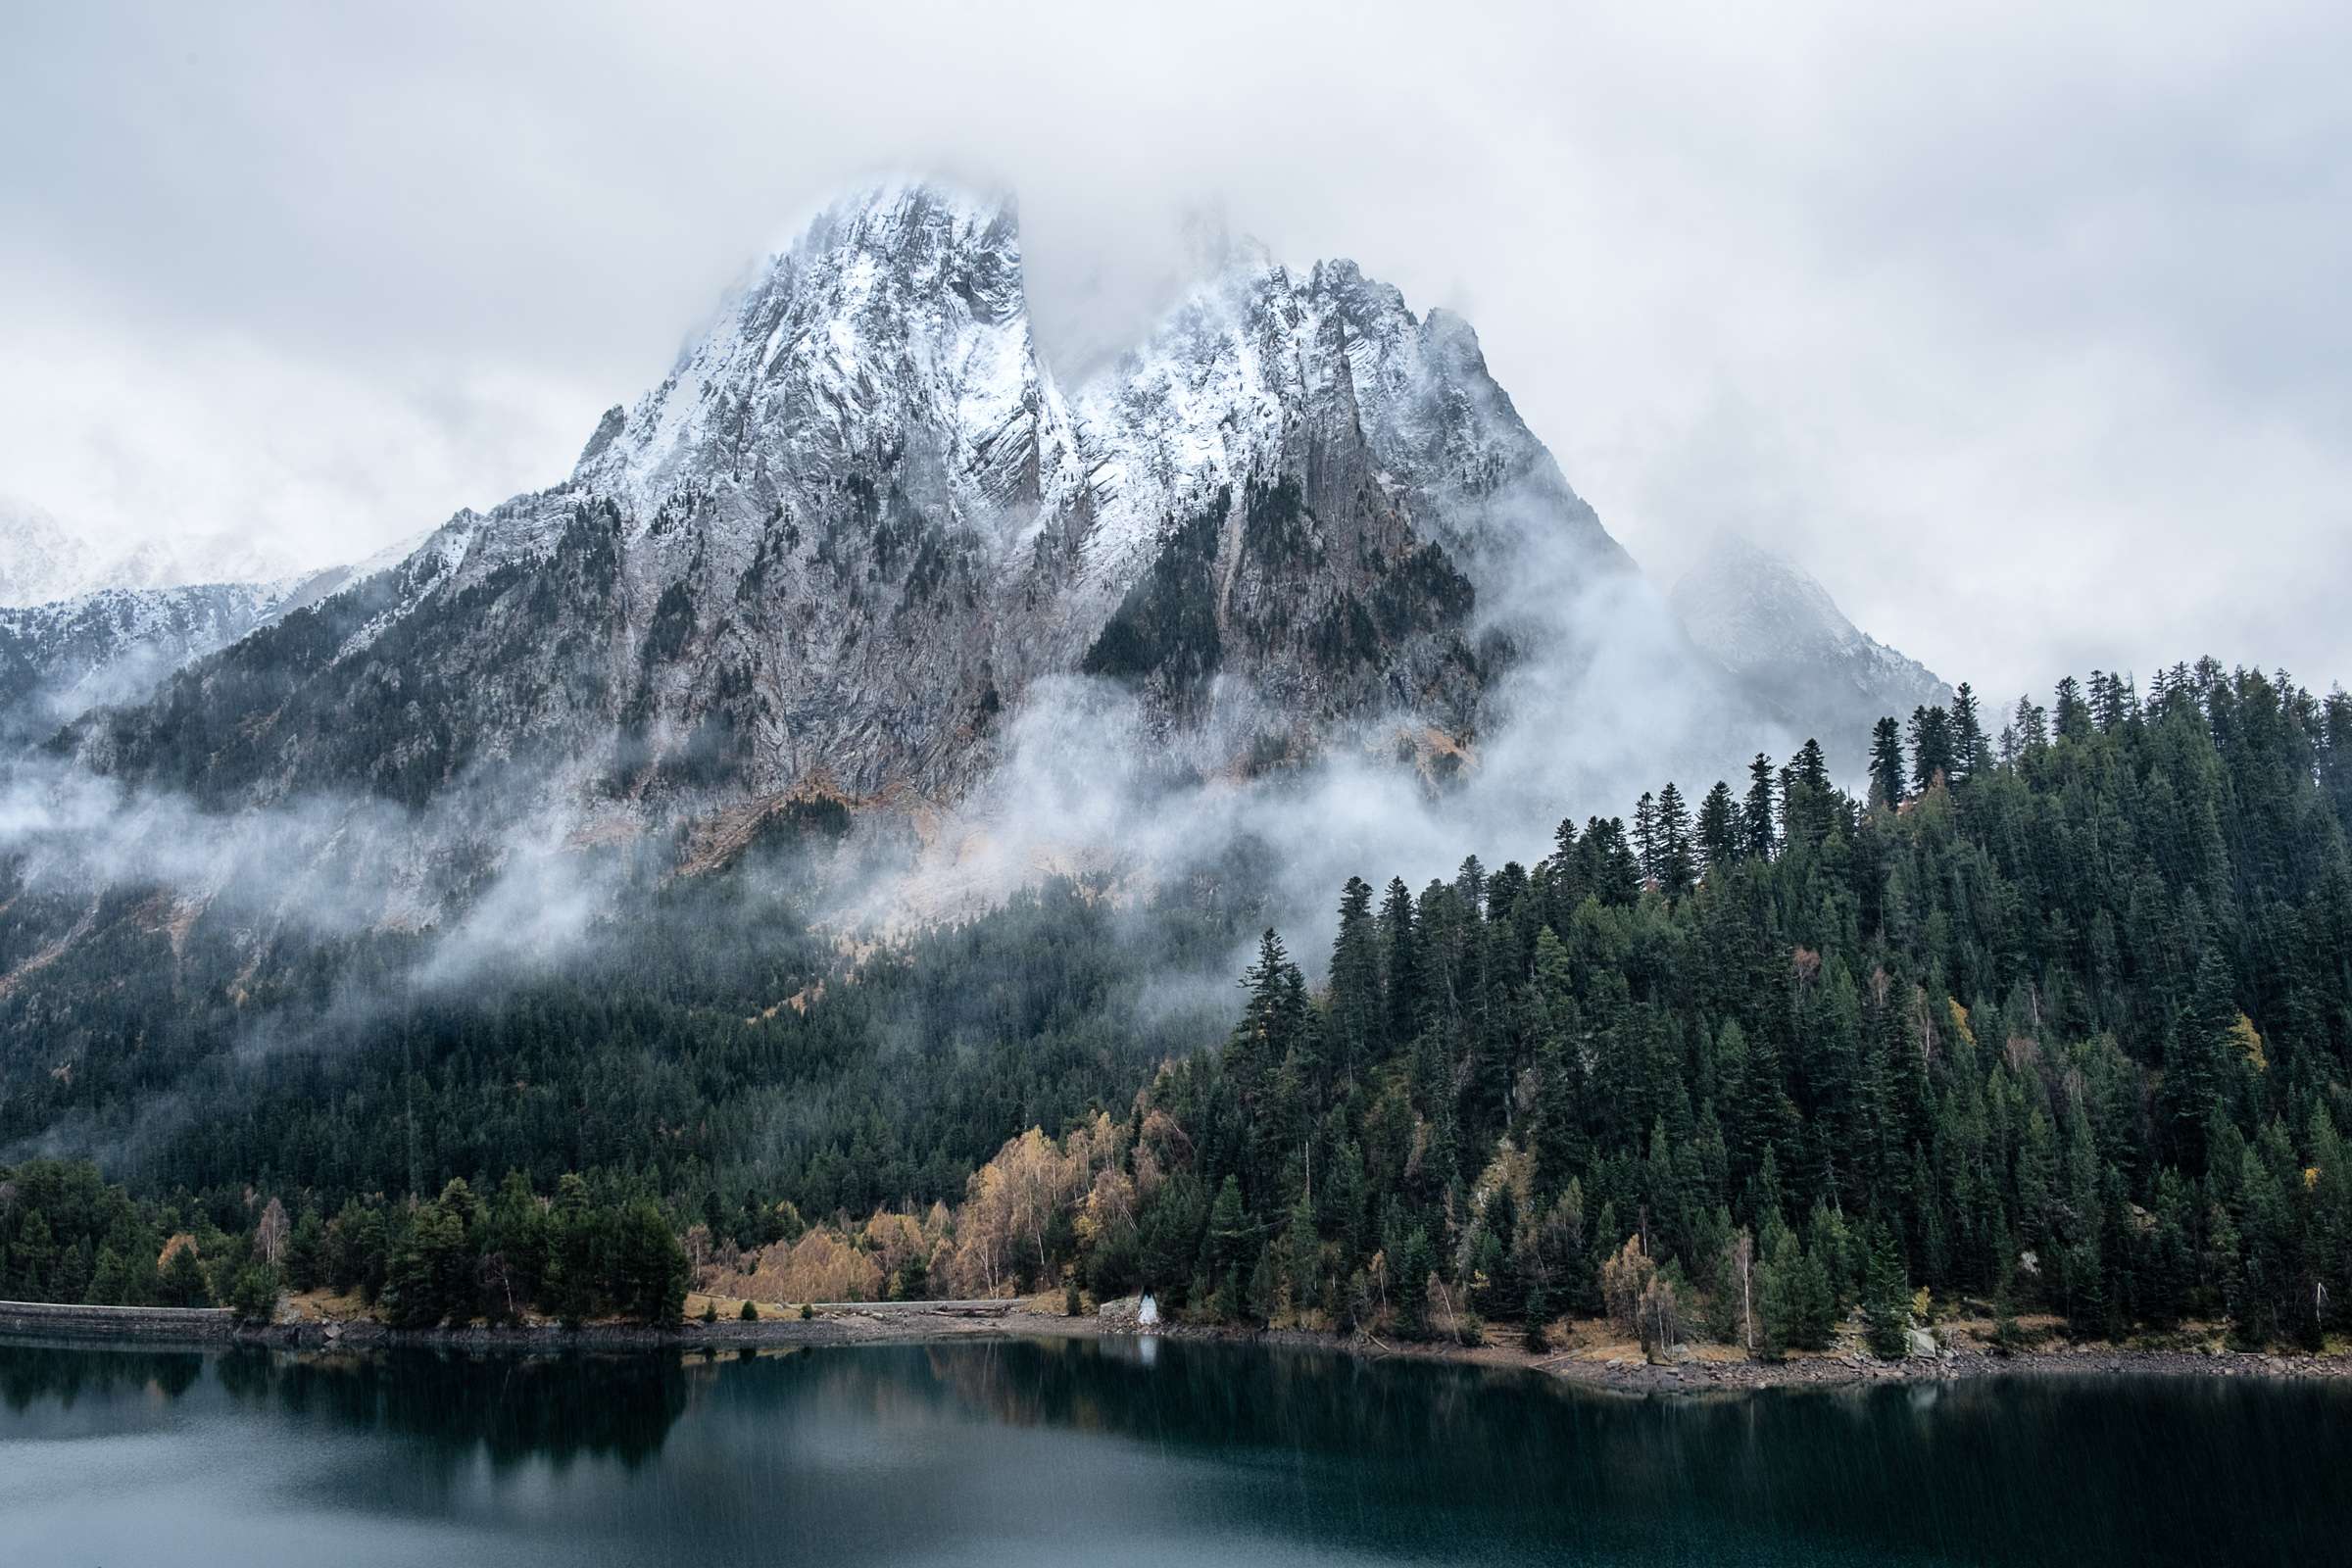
x: 860, y: 524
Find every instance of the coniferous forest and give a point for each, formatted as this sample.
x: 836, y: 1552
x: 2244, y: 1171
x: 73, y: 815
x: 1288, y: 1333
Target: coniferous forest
x: 2056, y: 1019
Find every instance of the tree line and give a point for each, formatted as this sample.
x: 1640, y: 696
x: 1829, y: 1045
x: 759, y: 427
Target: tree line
x: 581, y: 1253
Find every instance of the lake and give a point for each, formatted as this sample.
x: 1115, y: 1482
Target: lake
x: 1116, y: 1452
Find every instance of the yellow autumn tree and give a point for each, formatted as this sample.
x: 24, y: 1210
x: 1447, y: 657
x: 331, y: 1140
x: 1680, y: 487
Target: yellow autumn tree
x: 1009, y: 1205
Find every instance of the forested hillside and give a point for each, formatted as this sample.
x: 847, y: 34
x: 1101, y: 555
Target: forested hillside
x: 2057, y: 1018
x: 2060, y: 1017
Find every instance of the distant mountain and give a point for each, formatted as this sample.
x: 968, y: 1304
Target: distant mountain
x: 114, y: 646
x: 85, y: 626
x: 1779, y: 632
x: 42, y: 561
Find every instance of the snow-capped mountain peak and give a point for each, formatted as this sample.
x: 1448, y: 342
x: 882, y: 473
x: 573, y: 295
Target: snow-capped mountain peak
x: 894, y: 330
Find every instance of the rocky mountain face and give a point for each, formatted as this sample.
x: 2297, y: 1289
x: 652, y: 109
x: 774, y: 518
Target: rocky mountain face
x: 1776, y: 629
x: 859, y: 521
x: 61, y: 660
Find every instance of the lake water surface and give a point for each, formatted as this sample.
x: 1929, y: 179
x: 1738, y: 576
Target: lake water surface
x: 1113, y: 1453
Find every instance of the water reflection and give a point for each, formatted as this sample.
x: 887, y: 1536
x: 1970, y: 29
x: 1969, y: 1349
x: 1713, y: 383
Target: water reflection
x: 1129, y: 1452
x: 64, y: 1374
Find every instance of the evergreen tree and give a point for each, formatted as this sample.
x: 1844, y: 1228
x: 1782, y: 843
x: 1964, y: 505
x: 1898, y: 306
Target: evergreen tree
x: 1722, y: 834
x: 1647, y: 842
x: 1615, y: 870
x: 1227, y: 1251
x: 1799, y: 1304
x: 1970, y: 754
x: 1676, y: 870
x: 1885, y: 1297
x: 1409, y: 1291
x: 1357, y: 1022
x: 429, y: 1279
x: 1757, y: 811
x: 2197, y: 1060
x: 183, y: 1282
x: 1402, y: 978
x: 2072, y: 711
x: 1886, y: 765
x: 651, y: 1272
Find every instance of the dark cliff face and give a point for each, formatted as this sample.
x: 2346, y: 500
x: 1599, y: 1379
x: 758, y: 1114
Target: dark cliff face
x: 844, y: 538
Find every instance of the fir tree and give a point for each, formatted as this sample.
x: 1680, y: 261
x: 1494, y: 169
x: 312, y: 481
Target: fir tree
x: 1645, y: 836
x: 1676, y: 869
x: 1885, y: 1297
x: 1971, y: 755
x: 1757, y: 811
x: 1885, y: 763
x: 1722, y: 834
x: 1930, y: 748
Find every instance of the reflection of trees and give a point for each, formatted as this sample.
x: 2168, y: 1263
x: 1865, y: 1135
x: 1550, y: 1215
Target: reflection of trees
x: 1428, y: 1458
x: 516, y: 1407
x: 32, y: 1372
x: 1378, y: 1461
x: 1214, y: 1395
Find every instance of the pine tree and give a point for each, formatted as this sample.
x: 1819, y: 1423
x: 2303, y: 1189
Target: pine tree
x: 652, y: 1272
x: 431, y: 1271
x: 1408, y: 1293
x: 1227, y: 1251
x: 1885, y: 1297
x: 1616, y: 870
x: 1799, y: 1304
x: 2195, y: 1059
x: 1930, y: 748
x: 1677, y: 869
x: 183, y: 1283
x: 1757, y: 811
x: 2072, y: 711
x: 1722, y: 834
x: 1645, y: 835
x: 1885, y: 763
x: 1402, y: 947
x: 1357, y: 1021
x: 1970, y: 756
x: 2033, y: 726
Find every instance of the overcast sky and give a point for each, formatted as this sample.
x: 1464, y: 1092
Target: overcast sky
x: 2026, y: 333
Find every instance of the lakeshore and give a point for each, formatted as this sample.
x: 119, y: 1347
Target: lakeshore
x: 1589, y: 1353
x: 1019, y: 1447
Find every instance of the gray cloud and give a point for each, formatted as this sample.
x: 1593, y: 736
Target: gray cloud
x: 2017, y: 328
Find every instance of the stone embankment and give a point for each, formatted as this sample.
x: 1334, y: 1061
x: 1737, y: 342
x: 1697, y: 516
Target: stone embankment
x: 63, y: 1321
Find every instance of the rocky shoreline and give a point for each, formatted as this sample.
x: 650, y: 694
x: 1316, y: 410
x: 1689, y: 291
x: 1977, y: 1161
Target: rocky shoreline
x: 1604, y: 1365
x: 1623, y: 1369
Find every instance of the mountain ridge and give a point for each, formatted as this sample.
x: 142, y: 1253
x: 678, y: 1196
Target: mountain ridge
x: 1776, y: 628
x: 859, y: 517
